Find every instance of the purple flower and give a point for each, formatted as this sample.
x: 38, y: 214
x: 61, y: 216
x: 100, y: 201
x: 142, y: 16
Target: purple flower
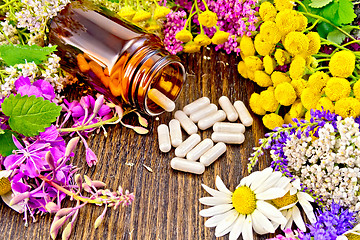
x: 175, y: 22
x: 91, y: 158
x: 40, y: 88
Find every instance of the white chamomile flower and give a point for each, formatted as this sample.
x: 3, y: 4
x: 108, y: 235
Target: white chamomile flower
x: 246, y: 208
x: 287, y: 206
x: 6, y: 193
x: 353, y: 234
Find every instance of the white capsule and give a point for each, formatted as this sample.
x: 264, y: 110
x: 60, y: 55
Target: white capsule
x: 213, y: 153
x: 200, y: 149
x: 160, y: 99
x: 210, y: 120
x: 185, y: 165
x: 186, y: 122
x: 187, y: 145
x: 228, y: 108
x: 244, y: 114
x: 196, y: 105
x: 228, y: 127
x: 204, y: 112
x: 175, y: 133
x: 230, y: 138
x: 164, y: 138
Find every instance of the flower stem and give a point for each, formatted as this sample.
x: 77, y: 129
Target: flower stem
x: 7, y: 4
x: 81, y: 128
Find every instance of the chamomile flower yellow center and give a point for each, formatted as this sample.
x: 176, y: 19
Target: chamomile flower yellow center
x: 286, y: 200
x: 352, y: 236
x: 244, y: 200
x: 5, y: 185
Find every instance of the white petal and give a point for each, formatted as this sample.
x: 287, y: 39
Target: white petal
x: 308, y: 209
x: 270, y: 212
x: 271, y: 193
x: 5, y: 173
x: 228, y: 220
x: 289, y: 223
x: 237, y: 228
x: 269, y: 183
x: 298, y: 219
x: 249, y: 179
x: 283, y: 182
x: 221, y: 186
x: 212, y: 201
x: 342, y: 237
x: 288, y: 216
x: 356, y: 228
x: 261, y: 221
x: 305, y: 196
x: 213, y: 192
x: 264, y: 174
x: 219, y: 209
x: 296, y: 184
x: 213, y: 221
x: 247, y: 232
x: 287, y: 206
x: 293, y: 191
x: 243, y: 181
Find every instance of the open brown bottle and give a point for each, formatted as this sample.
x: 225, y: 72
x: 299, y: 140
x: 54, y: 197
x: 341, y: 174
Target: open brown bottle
x: 118, y: 59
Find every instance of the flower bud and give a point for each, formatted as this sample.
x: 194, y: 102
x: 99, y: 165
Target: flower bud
x: 20, y: 197
x: 88, y: 181
x: 91, y: 158
x: 184, y: 36
x: 78, y: 180
x: 71, y: 146
x: 99, y: 220
x: 55, y: 226
x: 161, y: 12
x: 98, y: 184
x: 52, y: 207
x: 67, y: 232
x: 208, y: 18
x: 98, y: 104
x: 50, y: 160
x: 64, y: 211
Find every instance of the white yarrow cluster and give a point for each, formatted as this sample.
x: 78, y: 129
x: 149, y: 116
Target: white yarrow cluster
x: 329, y: 164
x: 9, y: 32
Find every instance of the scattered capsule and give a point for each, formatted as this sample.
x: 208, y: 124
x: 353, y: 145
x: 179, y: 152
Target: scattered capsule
x: 185, y: 122
x: 196, y: 105
x: 213, y: 153
x: 160, y: 99
x: 185, y: 165
x: 204, y: 112
x: 228, y: 108
x: 187, y: 145
x: 226, y: 137
x: 175, y: 133
x: 200, y: 149
x: 210, y: 120
x: 164, y: 138
x: 244, y: 114
x: 228, y: 127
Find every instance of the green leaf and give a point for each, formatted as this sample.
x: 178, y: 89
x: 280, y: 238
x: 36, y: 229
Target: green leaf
x: 6, y: 143
x: 346, y: 11
x: 338, y: 37
x: 319, y: 3
x: 19, y: 54
x: 29, y: 115
x: 324, y: 29
x: 309, y: 9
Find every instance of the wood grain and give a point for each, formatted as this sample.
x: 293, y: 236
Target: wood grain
x: 166, y: 204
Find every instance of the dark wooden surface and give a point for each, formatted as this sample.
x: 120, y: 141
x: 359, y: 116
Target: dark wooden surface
x: 166, y: 202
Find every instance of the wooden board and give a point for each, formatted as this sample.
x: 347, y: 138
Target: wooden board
x: 166, y: 204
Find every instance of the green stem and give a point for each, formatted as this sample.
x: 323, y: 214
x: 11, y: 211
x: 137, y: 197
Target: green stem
x: 278, y: 109
x: 312, y: 26
x: 301, y: 4
x: 323, y: 60
x: 7, y: 4
x: 349, y: 43
x: 320, y: 68
x: 6, y: 37
x: 81, y: 128
x: 198, y: 11
x: 355, y: 3
x: 206, y: 6
x: 338, y: 46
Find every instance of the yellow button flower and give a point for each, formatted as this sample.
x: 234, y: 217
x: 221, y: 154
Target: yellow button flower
x: 262, y: 79
x: 296, y: 43
x: 299, y: 85
x: 208, y: 18
x: 347, y: 107
x: 297, y: 67
x: 288, y: 119
x: 337, y: 88
x: 161, y: 12
x: 279, y: 77
x: 356, y: 90
x: 263, y: 46
x: 297, y: 110
x: 251, y: 75
x: 220, y: 37
x: 268, y: 100
x: 191, y: 47
x: 255, y: 104
x: 285, y: 94
x: 309, y: 98
x: 283, y: 4
x: 314, y: 43
x: 272, y: 121
x: 270, y: 32
x: 325, y: 104
x: 269, y: 64
x: 126, y: 12
x: 342, y: 64
x: 286, y: 21
x: 141, y: 15
x: 301, y: 22
x: 247, y: 46
x: 253, y: 63
x: 267, y: 11
x: 202, y: 40
x: 242, y: 69
x: 282, y: 57
x: 184, y: 36
x: 318, y: 81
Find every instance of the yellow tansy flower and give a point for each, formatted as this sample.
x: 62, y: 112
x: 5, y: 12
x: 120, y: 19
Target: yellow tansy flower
x: 308, y: 116
x: 283, y: 4
x: 285, y: 94
x: 296, y: 43
x: 208, y: 18
x: 297, y: 110
x: 288, y: 119
x: 325, y: 104
x: 263, y: 46
x: 251, y: 75
x: 337, y: 88
x: 347, y: 107
x: 269, y: 64
x: 161, y: 12
x: 268, y: 100
x: 247, y: 46
x: 311, y: 62
x: 141, y: 15
x: 127, y: 12
x: 262, y: 79
x: 356, y: 90
x: 253, y: 63
x: 202, y: 40
x: 272, y: 121
x: 299, y: 85
x: 152, y: 25
x: 286, y: 21
x: 270, y: 32
x: 302, y: 22
x: 279, y: 77
x: 267, y: 11
x: 184, y: 36
x: 242, y: 69
x: 220, y: 37
x: 314, y: 43
x: 255, y: 104
x: 191, y: 47
x: 282, y: 57
x: 318, y: 81
x: 342, y: 64
x: 297, y: 67
x: 309, y: 98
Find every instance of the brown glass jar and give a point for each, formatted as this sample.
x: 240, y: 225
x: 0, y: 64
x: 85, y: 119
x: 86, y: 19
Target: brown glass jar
x: 118, y: 59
